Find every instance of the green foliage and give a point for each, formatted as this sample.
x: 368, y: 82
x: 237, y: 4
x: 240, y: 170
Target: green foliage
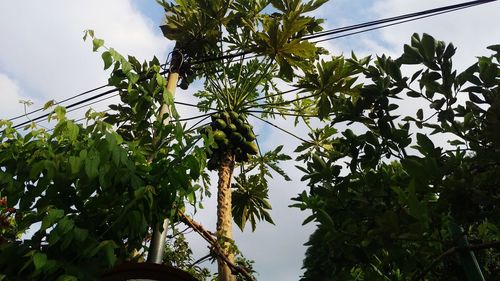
x: 179, y: 254
x: 236, y: 84
x: 387, y: 217
x: 94, y: 188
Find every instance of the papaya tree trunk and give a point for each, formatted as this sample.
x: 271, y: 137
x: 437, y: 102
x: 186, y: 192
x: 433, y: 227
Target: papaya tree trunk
x: 224, y: 214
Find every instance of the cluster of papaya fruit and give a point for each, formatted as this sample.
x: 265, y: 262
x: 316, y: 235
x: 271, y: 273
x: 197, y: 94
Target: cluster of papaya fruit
x: 231, y: 134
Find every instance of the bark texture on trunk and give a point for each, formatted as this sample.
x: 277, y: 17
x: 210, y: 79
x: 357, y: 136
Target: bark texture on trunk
x: 224, y: 213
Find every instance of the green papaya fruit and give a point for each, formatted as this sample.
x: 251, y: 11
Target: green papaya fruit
x: 236, y: 138
x: 234, y: 115
x: 215, y: 116
x: 244, y: 129
x: 232, y: 127
x: 223, y: 143
x: 238, y: 152
x: 220, y: 124
x: 250, y: 147
x: 238, y: 123
x: 226, y: 116
x: 219, y: 135
x: 250, y: 136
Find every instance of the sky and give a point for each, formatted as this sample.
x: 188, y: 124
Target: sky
x: 43, y: 57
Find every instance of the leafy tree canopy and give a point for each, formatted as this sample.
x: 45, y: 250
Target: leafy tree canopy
x: 95, y: 188
x: 412, y: 175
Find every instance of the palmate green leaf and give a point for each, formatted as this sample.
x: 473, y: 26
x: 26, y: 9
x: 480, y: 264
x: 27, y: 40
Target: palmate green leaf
x: 250, y: 201
x: 299, y: 49
x: 270, y: 159
x: 391, y: 217
x: 49, y: 104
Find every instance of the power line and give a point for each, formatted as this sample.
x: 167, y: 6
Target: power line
x: 382, y: 26
x: 41, y: 117
x: 38, y: 118
x: 416, y: 15
x: 76, y: 96
x: 396, y: 20
x: 65, y: 100
x: 429, y: 12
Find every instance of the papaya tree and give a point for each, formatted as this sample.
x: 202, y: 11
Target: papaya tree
x: 410, y: 192
x: 85, y: 195
x: 240, y: 49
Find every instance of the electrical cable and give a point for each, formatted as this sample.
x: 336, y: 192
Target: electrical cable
x: 67, y: 107
x: 429, y: 12
x: 57, y: 103
x: 373, y: 28
x: 417, y: 15
x: 163, y: 66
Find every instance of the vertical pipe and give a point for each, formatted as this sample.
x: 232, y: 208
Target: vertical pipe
x: 157, y: 245
x: 467, y: 257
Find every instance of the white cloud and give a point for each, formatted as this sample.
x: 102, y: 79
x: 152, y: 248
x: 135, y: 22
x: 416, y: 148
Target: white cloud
x: 42, y: 46
x: 10, y: 95
x: 471, y: 29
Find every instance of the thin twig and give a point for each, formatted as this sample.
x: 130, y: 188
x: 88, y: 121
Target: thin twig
x: 494, y: 244
x: 209, y: 237
x: 201, y: 259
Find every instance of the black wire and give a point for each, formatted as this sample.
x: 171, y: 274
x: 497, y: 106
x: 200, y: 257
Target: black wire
x: 163, y: 66
x: 97, y: 101
x: 422, y: 14
x: 57, y: 103
x: 194, y: 105
x: 430, y: 12
x: 382, y: 26
x: 435, y: 11
x: 67, y: 107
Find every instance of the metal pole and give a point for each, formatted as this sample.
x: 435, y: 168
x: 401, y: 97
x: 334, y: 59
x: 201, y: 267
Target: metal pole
x: 467, y: 257
x: 157, y: 245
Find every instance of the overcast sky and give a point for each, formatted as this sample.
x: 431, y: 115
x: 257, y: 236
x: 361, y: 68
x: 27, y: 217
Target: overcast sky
x: 43, y: 57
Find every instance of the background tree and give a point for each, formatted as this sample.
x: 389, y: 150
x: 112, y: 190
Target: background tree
x: 389, y: 189
x: 94, y: 189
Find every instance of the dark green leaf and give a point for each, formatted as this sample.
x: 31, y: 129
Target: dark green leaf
x: 107, y: 59
x: 39, y: 260
x: 413, y: 94
x: 53, y: 216
x: 92, y: 164
x: 420, y: 114
x: 97, y: 43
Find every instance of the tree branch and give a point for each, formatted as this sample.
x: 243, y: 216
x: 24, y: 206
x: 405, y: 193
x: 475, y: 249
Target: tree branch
x: 209, y: 237
x: 494, y: 244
